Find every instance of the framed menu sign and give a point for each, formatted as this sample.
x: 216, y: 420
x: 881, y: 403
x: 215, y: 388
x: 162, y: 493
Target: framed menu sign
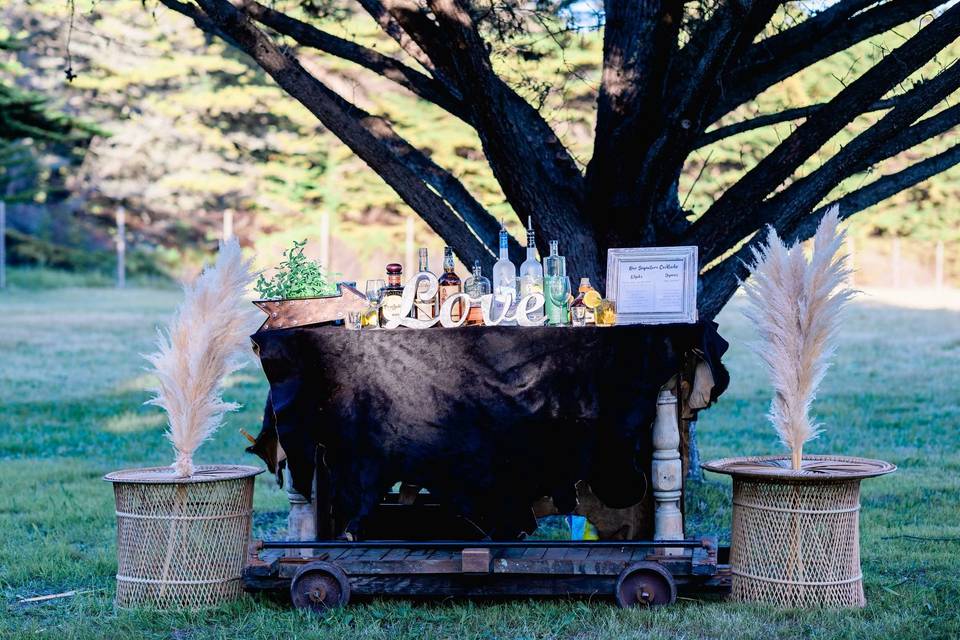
x: 653, y: 285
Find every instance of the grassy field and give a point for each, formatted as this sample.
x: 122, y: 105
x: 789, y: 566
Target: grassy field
x: 71, y: 392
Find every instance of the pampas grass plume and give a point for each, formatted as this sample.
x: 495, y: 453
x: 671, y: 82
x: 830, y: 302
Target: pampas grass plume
x: 204, y: 343
x: 795, y: 305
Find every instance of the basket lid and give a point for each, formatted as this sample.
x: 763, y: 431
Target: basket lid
x: 823, y: 468
x: 165, y: 475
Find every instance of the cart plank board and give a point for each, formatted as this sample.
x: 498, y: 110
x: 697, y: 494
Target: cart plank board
x: 477, y: 570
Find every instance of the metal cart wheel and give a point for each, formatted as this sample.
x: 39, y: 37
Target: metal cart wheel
x: 645, y: 584
x: 319, y: 586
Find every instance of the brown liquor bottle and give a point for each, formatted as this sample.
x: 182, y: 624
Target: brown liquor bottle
x: 450, y: 284
x: 392, y: 294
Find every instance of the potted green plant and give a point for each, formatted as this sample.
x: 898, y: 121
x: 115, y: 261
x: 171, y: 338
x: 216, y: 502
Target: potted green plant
x: 300, y: 292
x: 183, y: 530
x: 795, y: 537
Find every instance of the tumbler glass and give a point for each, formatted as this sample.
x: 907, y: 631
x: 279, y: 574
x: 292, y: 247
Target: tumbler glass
x: 354, y: 320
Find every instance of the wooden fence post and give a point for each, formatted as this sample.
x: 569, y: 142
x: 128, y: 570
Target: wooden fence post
x: 325, y: 240
x: 938, y: 266
x: 227, y: 224
x: 3, y: 244
x: 411, y: 264
x: 896, y: 263
x: 121, y: 248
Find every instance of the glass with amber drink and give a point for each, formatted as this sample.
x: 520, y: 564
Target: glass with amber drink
x: 606, y: 313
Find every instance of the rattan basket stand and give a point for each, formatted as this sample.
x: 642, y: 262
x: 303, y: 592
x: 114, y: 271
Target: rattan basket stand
x: 183, y: 530
x: 795, y: 540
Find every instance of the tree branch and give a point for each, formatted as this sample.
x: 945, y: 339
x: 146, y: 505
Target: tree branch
x: 733, y: 214
x: 889, y: 134
x: 309, y: 36
x: 695, y: 78
x: 534, y: 169
x: 393, y: 28
x: 765, y: 120
x: 833, y: 30
x: 372, y: 144
x: 721, y: 282
x: 483, y: 224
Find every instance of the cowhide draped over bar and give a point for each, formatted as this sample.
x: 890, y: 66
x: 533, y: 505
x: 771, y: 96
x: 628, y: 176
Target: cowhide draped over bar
x: 488, y: 419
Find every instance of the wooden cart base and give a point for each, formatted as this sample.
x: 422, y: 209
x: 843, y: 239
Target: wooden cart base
x: 633, y: 573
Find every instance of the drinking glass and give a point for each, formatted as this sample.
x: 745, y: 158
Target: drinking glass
x: 558, y: 288
x: 374, y: 292
x: 606, y: 313
x: 354, y: 319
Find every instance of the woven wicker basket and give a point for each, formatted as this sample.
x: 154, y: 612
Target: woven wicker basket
x: 796, y: 536
x: 181, y: 542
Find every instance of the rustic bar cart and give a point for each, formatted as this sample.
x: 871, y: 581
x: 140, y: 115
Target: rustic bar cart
x: 439, y: 498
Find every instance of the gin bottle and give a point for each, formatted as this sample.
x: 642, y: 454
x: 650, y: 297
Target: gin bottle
x: 531, y: 271
x: 476, y: 286
x: 554, y: 266
x: 424, y: 309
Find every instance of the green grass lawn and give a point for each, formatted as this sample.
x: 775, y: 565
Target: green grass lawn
x: 72, y: 388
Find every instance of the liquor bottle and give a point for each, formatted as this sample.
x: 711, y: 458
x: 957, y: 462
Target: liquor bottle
x: 504, y: 272
x: 531, y: 271
x: 392, y: 294
x: 424, y: 309
x: 589, y: 301
x: 449, y: 285
x: 476, y: 285
x: 554, y: 266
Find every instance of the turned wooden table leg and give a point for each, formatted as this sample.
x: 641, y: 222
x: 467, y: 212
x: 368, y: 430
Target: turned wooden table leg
x: 667, y: 472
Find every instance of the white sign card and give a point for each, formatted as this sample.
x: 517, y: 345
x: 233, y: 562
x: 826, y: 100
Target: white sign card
x: 653, y: 285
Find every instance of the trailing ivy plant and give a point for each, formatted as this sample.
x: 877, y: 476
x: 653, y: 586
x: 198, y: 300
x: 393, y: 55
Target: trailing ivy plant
x: 296, y: 277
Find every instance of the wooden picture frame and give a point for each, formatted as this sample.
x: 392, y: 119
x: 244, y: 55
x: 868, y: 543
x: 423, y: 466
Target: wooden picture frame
x: 653, y: 285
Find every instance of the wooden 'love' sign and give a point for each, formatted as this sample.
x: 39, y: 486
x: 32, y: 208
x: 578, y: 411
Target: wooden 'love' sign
x: 496, y: 309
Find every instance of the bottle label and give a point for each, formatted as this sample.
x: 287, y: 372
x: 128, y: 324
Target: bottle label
x: 391, y: 306
x: 446, y: 291
x: 424, y: 309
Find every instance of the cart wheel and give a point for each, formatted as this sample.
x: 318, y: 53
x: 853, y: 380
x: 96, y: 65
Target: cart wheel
x: 319, y: 586
x: 645, y: 584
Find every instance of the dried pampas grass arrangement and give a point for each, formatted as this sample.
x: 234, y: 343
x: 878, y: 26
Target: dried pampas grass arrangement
x: 204, y: 343
x: 795, y: 305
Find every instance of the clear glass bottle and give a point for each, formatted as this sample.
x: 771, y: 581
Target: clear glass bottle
x: 424, y: 309
x: 504, y: 271
x: 504, y: 280
x: 554, y: 266
x: 449, y: 285
x: 476, y: 285
x: 392, y: 294
x: 531, y: 271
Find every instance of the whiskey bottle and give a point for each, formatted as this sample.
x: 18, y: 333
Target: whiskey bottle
x: 591, y: 301
x: 392, y: 294
x: 476, y: 285
x: 424, y: 309
x: 449, y: 285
